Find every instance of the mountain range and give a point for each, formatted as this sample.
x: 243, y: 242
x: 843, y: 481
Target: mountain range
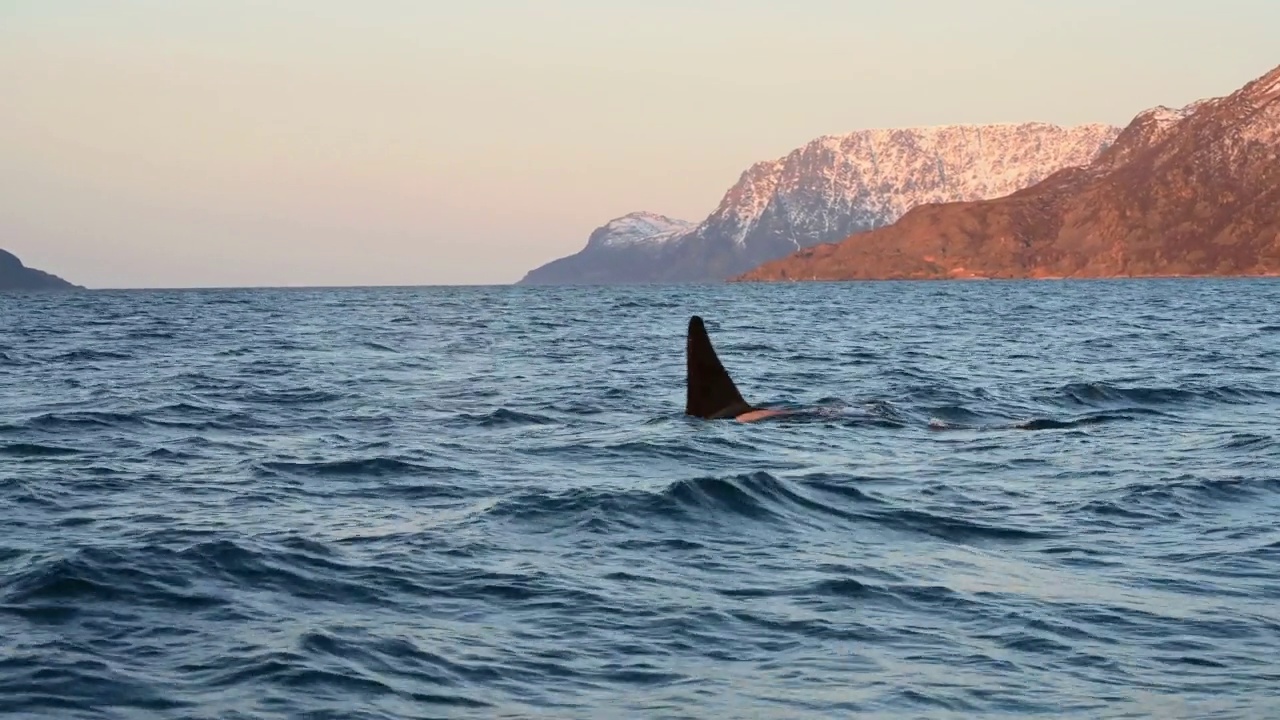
x: 1189, y: 191
x: 826, y: 190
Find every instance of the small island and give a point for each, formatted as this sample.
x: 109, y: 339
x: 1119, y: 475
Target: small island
x: 16, y: 276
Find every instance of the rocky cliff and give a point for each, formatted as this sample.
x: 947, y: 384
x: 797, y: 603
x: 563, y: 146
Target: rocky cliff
x: 1193, y: 191
x: 16, y: 276
x: 830, y: 188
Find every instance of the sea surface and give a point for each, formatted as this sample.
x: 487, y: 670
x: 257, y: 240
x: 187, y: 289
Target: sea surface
x: 1048, y: 498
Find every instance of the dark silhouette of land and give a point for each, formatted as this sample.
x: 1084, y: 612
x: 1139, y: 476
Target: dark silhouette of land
x: 16, y: 276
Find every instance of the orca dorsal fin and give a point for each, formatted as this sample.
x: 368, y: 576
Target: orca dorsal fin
x: 710, y: 392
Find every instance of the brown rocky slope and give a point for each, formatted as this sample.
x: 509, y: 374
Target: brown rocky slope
x: 1190, y: 192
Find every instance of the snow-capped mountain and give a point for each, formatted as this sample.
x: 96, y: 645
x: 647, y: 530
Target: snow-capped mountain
x: 638, y: 228
x: 617, y: 252
x: 1192, y: 192
x: 833, y: 187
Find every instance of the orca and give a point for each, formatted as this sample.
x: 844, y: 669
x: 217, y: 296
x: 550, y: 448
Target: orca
x: 710, y: 393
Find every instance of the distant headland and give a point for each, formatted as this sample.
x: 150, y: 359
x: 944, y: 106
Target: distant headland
x: 1190, y: 192
x: 16, y: 276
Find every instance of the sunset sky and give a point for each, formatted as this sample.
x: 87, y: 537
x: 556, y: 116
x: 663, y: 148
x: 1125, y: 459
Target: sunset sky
x: 153, y: 143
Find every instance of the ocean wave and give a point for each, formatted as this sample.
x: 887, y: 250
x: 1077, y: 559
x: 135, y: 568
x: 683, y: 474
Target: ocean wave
x: 372, y: 467
x: 291, y: 572
x: 379, y: 347
x: 757, y: 497
x: 1102, y: 394
x: 11, y: 359
x: 59, y: 679
x: 83, y: 419
x: 61, y: 587
x: 90, y: 355
x: 1248, y: 441
x: 1083, y: 421
x: 960, y: 419
x: 957, y: 416
x: 291, y: 396
x: 502, y: 417
x: 34, y: 450
x: 1188, y: 490
x: 956, y: 529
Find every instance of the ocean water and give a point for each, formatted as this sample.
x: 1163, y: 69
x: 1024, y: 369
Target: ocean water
x: 1015, y: 498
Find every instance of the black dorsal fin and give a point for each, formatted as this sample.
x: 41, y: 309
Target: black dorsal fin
x: 710, y: 392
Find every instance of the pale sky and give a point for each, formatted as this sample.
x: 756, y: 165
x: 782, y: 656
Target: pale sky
x: 178, y: 143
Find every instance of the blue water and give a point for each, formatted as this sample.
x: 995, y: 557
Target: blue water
x: 1055, y: 498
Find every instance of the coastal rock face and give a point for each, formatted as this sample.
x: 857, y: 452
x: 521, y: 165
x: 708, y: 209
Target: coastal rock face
x: 836, y: 186
x: 1193, y: 191
x: 625, y: 249
x: 16, y: 276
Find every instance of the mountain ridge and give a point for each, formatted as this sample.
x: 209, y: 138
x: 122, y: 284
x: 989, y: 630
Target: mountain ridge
x: 832, y: 186
x: 1192, y: 191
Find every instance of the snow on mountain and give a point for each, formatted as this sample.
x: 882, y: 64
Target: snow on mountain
x: 638, y: 227
x: 1190, y: 192
x: 1262, y: 95
x: 830, y: 188
x: 874, y: 176
x: 624, y: 250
